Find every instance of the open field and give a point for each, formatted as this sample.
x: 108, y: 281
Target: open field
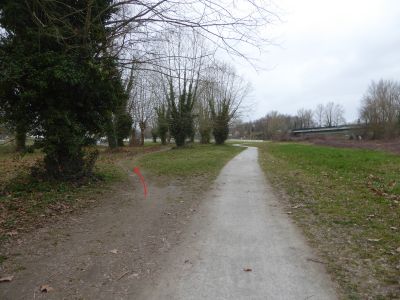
x: 392, y: 146
x: 348, y: 203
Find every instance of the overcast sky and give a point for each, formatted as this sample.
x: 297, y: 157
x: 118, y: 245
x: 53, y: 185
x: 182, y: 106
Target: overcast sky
x: 328, y: 51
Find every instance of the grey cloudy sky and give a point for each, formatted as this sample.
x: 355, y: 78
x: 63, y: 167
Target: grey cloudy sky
x: 328, y: 51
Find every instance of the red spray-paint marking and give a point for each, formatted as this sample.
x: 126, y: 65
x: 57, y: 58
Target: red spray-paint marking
x: 137, y: 171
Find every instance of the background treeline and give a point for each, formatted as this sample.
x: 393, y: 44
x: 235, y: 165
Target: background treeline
x: 74, y: 72
x: 278, y: 126
x: 379, y: 115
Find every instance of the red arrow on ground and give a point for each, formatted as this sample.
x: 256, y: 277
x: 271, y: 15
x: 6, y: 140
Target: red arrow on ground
x: 137, y: 171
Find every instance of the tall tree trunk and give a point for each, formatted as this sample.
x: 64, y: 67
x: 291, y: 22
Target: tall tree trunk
x: 112, y: 140
x: 132, y: 140
x: 142, y: 126
x: 141, y: 137
x: 111, y: 132
x: 20, y: 137
x: 111, y: 137
x: 205, y: 136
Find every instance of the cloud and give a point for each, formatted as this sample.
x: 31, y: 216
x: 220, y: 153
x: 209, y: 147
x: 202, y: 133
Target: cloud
x: 329, y: 51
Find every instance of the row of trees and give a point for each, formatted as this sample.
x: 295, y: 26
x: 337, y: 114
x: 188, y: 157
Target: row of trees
x: 276, y: 125
x: 324, y: 115
x: 187, y: 94
x: 379, y: 116
x: 73, y: 71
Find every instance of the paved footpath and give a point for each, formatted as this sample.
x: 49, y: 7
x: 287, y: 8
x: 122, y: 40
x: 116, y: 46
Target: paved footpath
x: 241, y: 245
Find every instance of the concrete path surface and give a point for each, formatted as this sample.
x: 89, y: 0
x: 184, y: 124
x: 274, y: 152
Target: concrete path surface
x: 241, y: 245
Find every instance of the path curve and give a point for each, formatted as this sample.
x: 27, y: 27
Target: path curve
x: 241, y: 225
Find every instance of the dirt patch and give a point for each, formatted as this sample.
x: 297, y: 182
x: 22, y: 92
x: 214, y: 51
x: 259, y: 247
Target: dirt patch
x: 28, y: 203
x: 106, y: 252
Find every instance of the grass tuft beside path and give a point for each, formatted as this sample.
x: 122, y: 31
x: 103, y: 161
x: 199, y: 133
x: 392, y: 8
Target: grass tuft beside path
x: 194, y: 160
x: 348, y: 203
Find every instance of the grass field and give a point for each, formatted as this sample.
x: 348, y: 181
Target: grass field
x: 195, y: 160
x: 348, y: 203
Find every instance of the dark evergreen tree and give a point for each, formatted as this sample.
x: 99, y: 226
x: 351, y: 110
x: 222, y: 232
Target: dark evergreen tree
x: 181, y: 118
x: 162, y: 123
x: 124, y: 126
x: 56, y: 72
x: 154, y: 134
x: 220, y: 120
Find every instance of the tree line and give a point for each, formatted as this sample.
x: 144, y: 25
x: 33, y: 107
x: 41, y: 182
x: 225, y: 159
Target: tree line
x: 379, y: 115
x: 74, y: 71
x: 191, y: 94
x: 276, y: 125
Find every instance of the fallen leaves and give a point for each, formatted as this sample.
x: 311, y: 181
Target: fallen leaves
x: 298, y: 206
x: 247, y: 270
x: 378, y: 187
x: 45, y: 288
x: 373, y: 240
x: 134, y: 275
x: 123, y: 275
x: 12, y: 233
x: 316, y: 260
x: 6, y: 278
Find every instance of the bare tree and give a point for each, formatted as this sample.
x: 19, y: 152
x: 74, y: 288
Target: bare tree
x: 277, y: 125
x: 132, y: 92
x: 202, y: 110
x: 380, y: 109
x: 136, y: 24
x: 186, y: 53
x: 224, y: 23
x: 227, y: 91
x: 304, y: 118
x: 333, y: 114
x: 319, y: 114
x: 142, y: 101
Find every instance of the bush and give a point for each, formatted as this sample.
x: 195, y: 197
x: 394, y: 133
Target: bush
x: 86, y: 159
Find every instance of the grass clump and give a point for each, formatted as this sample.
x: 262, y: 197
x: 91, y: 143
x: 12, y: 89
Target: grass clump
x: 348, y: 202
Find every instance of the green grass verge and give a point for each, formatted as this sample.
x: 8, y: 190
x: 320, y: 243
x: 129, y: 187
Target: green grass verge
x: 195, y: 160
x: 348, y: 203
